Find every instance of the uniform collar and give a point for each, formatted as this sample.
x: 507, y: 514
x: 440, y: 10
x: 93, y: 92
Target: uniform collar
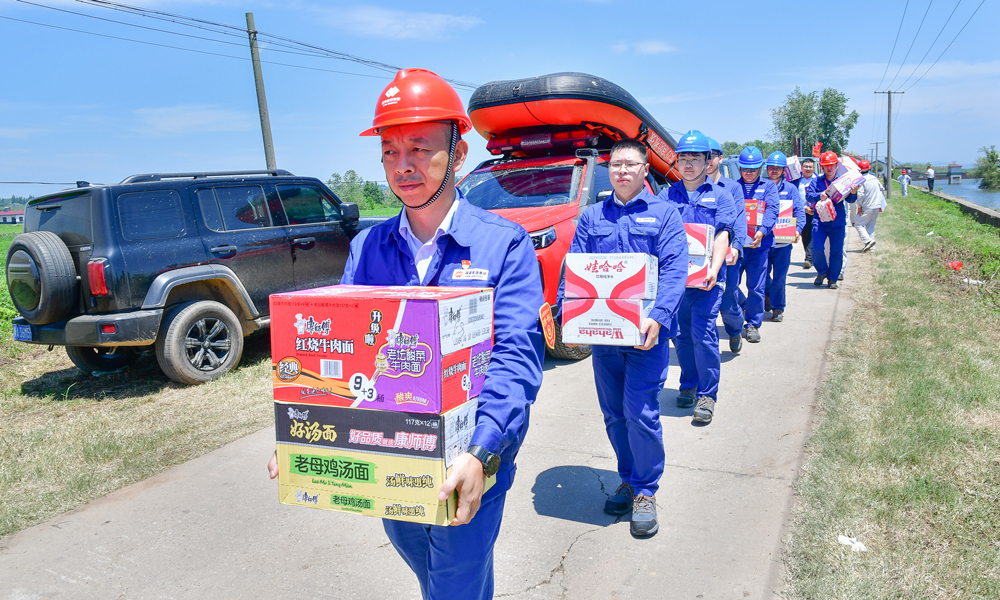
x: 642, y: 196
x: 406, y: 232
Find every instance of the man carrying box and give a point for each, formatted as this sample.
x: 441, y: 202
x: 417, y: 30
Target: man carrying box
x: 791, y: 220
x: 835, y: 230
x: 440, y: 239
x: 700, y: 201
x: 732, y: 306
x: 629, y: 380
x: 762, y: 195
x: 871, y: 199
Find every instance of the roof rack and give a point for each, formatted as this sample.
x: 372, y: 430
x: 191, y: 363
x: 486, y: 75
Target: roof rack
x: 144, y: 177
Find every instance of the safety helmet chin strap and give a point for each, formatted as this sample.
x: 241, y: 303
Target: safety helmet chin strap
x: 447, y: 176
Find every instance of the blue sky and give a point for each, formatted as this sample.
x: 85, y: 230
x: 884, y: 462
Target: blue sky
x: 75, y: 106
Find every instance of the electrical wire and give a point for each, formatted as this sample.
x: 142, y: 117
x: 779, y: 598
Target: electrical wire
x: 915, y: 36
x: 949, y: 46
x: 929, y: 48
x: 893, y: 51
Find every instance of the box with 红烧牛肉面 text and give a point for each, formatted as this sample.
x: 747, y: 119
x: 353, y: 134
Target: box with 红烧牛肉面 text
x: 629, y: 276
x: 409, y: 349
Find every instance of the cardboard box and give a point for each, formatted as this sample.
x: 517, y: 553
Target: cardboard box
x: 373, y: 463
x: 784, y: 230
x: 826, y: 211
x: 410, y: 349
x: 842, y: 185
x: 845, y: 164
x: 604, y: 322
x: 617, y: 276
x: 701, y: 238
x: 755, y: 216
x: 793, y: 168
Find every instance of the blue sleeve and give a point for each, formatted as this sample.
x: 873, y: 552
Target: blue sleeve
x: 579, y: 245
x: 813, y: 191
x: 772, y: 208
x: 725, y: 213
x: 672, y: 255
x: 798, y: 209
x: 739, y: 237
x: 515, y: 372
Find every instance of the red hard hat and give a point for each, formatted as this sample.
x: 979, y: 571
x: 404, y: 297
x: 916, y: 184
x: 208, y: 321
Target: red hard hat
x: 418, y: 96
x: 863, y: 165
x: 828, y: 158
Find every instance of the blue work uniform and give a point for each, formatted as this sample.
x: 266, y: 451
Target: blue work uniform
x: 835, y: 231
x: 802, y: 183
x: 732, y: 304
x: 457, y: 562
x: 755, y: 259
x: 628, y: 380
x: 780, y: 256
x: 698, y: 340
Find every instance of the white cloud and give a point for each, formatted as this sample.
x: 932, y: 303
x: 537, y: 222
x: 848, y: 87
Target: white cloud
x: 374, y: 21
x: 17, y: 133
x: 642, y: 48
x: 192, y: 118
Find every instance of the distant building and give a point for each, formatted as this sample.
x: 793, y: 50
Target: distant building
x: 955, y: 174
x: 11, y: 217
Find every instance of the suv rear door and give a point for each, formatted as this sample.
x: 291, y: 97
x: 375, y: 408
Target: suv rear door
x: 319, y: 239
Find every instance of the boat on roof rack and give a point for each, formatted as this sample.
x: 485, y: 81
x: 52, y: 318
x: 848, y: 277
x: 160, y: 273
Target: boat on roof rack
x: 538, y: 115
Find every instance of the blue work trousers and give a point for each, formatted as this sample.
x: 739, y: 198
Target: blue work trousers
x: 451, y: 562
x: 698, y: 342
x: 780, y: 258
x: 755, y: 265
x: 629, y: 382
x: 832, y: 266
x: 732, y: 304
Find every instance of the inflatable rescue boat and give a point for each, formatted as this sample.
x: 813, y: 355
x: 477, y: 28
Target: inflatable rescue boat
x: 526, y: 116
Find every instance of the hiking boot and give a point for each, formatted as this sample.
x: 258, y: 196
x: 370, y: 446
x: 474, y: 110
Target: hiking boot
x: 751, y: 334
x: 833, y: 285
x: 621, y: 501
x: 704, y: 411
x: 869, y: 245
x: 767, y: 304
x: 644, y: 516
x: 735, y: 344
x: 819, y: 280
x: 777, y: 316
x: 686, y: 399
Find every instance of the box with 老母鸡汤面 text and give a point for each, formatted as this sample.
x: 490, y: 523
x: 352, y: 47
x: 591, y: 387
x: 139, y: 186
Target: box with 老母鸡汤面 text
x: 409, y: 349
x: 784, y: 229
x: 604, y: 322
x: 631, y: 276
x: 374, y: 463
x: 793, y: 168
x: 842, y: 185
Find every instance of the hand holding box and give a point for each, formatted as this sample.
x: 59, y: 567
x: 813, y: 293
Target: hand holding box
x: 826, y: 211
x: 701, y: 245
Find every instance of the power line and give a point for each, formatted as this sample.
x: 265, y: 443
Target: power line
x: 949, y: 45
x: 903, y: 18
x: 948, y: 20
x: 915, y: 36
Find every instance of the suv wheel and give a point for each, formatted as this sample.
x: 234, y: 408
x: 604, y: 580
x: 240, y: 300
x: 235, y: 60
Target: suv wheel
x: 41, y: 277
x: 199, y: 342
x: 101, y: 360
x: 565, y: 352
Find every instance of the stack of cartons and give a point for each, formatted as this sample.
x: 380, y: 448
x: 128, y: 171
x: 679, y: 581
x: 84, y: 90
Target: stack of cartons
x: 701, y: 243
x: 606, y: 297
x: 375, y: 394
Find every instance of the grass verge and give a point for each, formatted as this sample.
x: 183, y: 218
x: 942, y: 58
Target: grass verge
x: 906, y: 456
x: 381, y: 212
x: 8, y: 348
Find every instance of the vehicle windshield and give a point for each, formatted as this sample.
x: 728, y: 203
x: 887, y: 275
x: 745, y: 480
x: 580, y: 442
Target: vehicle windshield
x: 521, y: 188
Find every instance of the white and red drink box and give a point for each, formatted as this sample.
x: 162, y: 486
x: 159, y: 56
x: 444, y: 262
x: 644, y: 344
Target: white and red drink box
x: 826, y: 211
x: 793, y: 168
x: 614, y: 276
x: 755, y: 215
x: 698, y: 268
x: 403, y: 349
x: 784, y: 229
x: 701, y: 244
x: 842, y: 185
x: 604, y: 322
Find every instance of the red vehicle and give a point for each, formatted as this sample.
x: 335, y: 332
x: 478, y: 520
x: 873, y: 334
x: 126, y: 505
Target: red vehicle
x: 552, y: 135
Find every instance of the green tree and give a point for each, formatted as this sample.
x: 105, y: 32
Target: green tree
x: 797, y: 117
x: 734, y: 149
x: 833, y: 123
x: 373, y: 197
x: 988, y: 169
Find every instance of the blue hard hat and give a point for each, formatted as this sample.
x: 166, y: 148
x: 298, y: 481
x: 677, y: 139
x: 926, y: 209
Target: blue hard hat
x: 777, y: 159
x: 751, y: 158
x: 693, y: 141
x: 714, y: 145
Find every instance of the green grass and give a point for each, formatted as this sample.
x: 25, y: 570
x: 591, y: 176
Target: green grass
x: 381, y: 212
x: 8, y: 347
x: 907, y: 454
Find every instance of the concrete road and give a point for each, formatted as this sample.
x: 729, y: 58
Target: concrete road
x: 213, y: 528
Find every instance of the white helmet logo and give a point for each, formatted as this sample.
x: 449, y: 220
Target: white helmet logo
x: 389, y: 93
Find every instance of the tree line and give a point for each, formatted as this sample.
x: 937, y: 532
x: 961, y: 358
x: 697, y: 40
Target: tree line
x: 368, y: 195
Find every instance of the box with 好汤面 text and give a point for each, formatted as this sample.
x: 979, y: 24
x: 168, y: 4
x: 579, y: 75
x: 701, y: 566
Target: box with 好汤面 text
x: 604, y: 322
x: 369, y: 462
x: 784, y: 229
x: 631, y: 276
x: 409, y: 349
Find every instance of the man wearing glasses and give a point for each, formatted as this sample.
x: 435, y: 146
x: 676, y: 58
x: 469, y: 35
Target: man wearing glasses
x: 629, y: 380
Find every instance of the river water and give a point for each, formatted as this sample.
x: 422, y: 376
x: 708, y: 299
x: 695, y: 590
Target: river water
x: 968, y: 190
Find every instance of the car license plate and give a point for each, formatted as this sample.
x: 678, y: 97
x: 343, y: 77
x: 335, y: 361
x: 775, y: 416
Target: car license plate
x: 22, y: 333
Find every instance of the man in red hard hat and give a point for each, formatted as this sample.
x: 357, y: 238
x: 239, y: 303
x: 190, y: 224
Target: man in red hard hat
x: 828, y: 267
x: 440, y: 239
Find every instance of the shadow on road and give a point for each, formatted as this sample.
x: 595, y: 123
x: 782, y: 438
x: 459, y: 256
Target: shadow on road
x: 575, y: 493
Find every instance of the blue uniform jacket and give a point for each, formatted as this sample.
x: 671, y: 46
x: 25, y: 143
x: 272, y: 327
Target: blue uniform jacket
x: 709, y: 204
x: 802, y: 183
x: 645, y: 224
x: 739, y: 238
x: 789, y: 191
x: 381, y: 256
x: 763, y: 190
x: 819, y: 186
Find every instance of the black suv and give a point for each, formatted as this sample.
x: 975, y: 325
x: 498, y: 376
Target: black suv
x: 181, y: 264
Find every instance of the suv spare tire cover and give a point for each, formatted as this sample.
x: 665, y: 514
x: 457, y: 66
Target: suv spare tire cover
x: 41, y: 277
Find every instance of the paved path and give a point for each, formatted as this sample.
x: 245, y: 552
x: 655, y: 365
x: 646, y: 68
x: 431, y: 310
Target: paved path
x: 213, y: 528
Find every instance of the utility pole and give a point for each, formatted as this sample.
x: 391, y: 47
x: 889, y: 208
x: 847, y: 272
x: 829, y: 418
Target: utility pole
x: 265, y: 121
x: 876, y: 160
x: 888, y: 145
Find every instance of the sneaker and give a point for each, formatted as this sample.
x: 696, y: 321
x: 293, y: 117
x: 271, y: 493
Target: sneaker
x: 751, y: 334
x: 644, y: 516
x: 869, y: 245
x: 808, y: 262
x: 833, y: 285
x: 735, y: 344
x: 686, y: 399
x: 704, y: 411
x: 767, y: 304
x: 777, y: 316
x: 841, y: 276
x: 819, y: 280
x: 621, y: 501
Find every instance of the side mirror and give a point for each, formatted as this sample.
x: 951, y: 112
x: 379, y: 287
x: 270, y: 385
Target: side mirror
x: 349, y: 211
x: 602, y: 196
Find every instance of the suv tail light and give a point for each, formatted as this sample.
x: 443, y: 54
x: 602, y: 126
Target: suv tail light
x: 95, y: 273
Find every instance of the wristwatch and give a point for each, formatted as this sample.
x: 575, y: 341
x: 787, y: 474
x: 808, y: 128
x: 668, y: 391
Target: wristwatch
x: 491, y: 462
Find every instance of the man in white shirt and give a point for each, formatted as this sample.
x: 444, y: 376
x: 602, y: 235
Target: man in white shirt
x: 930, y: 179
x: 871, y: 199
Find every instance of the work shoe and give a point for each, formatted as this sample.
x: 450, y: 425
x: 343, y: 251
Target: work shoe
x: 644, y: 516
x: 841, y: 276
x: 735, y: 344
x: 777, y: 316
x: 704, y: 411
x: 833, y: 285
x: 621, y: 501
x: 767, y: 304
x: 686, y: 399
x: 869, y: 245
x: 819, y: 280
x: 751, y: 334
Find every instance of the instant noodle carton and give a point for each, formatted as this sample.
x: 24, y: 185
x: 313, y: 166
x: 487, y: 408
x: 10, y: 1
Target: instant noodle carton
x: 407, y: 349
x: 842, y: 185
x: 604, y: 322
x: 755, y: 215
x: 701, y: 242
x: 793, y: 168
x: 784, y: 229
x: 369, y: 462
x: 619, y: 276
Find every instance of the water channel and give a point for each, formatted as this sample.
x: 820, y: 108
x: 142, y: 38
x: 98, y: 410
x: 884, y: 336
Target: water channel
x: 968, y: 190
